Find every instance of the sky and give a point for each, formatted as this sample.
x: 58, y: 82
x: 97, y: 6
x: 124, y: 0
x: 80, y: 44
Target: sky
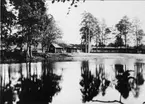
x: 111, y: 11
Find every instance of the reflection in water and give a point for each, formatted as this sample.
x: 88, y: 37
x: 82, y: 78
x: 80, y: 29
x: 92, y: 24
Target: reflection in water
x: 126, y: 81
x: 92, y: 84
x: 89, y: 83
x: 123, y: 77
x: 139, y: 78
x: 102, y: 80
x: 31, y: 89
x: 139, y: 73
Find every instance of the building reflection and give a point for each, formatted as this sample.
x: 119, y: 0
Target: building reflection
x: 31, y: 85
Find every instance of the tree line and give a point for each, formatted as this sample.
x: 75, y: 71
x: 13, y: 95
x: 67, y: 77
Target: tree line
x: 124, y: 31
x: 26, y: 22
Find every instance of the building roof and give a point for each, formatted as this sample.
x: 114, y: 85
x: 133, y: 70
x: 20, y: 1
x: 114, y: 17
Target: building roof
x: 56, y: 45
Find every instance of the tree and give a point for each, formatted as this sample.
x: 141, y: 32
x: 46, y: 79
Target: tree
x: 8, y: 20
x: 103, y: 33
x: 90, y: 28
x: 124, y: 27
x: 30, y: 13
x: 50, y: 33
x: 32, y: 23
x: 107, y: 31
x: 85, y: 35
x: 119, y: 41
x: 140, y: 36
x: 137, y: 31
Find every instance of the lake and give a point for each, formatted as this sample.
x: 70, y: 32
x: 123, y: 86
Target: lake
x: 96, y: 81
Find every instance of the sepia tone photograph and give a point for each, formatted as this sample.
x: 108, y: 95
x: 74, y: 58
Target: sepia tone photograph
x: 72, y: 52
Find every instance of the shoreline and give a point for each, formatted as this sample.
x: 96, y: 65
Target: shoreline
x: 74, y: 57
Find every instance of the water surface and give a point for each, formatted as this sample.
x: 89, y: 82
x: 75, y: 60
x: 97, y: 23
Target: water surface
x: 74, y: 82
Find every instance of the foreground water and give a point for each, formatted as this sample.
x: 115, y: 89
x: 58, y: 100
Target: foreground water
x: 118, y: 80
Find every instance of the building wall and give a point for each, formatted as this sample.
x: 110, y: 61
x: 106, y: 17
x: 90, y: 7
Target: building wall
x: 52, y: 49
x: 58, y: 50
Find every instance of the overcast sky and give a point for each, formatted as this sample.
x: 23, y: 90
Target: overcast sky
x: 111, y: 11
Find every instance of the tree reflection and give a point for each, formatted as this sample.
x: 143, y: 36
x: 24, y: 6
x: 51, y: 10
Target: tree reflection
x: 89, y: 83
x: 139, y: 73
x: 104, y: 81
x: 122, y: 81
x: 33, y: 90
x: 92, y: 84
x: 126, y: 82
x: 123, y: 78
x: 139, y: 78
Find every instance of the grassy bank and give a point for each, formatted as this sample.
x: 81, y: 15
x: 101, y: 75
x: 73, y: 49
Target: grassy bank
x: 39, y: 57
x: 74, y: 56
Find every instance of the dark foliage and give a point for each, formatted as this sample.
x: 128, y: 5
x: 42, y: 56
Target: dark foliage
x: 33, y: 90
x: 91, y: 84
x: 118, y: 41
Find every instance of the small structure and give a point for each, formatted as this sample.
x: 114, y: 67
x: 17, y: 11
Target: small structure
x: 71, y: 49
x: 55, y: 48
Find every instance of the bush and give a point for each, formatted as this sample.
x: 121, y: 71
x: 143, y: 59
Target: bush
x: 17, y: 55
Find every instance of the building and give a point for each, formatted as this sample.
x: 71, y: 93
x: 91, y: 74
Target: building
x: 71, y: 49
x: 55, y: 48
